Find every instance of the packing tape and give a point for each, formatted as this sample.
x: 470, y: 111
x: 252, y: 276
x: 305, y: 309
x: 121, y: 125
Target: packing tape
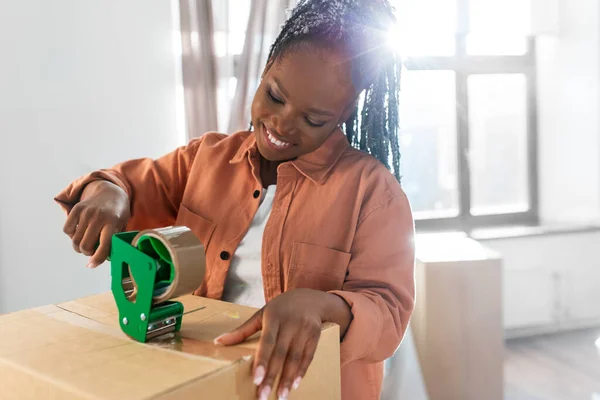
x: 181, y: 260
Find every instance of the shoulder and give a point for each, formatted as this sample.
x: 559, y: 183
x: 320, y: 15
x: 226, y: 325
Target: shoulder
x: 369, y: 171
x: 376, y: 186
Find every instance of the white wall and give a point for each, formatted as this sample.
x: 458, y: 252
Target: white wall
x: 83, y: 84
x: 569, y: 131
x: 551, y: 282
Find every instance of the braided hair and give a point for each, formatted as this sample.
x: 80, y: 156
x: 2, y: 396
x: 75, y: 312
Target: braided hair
x: 361, y: 27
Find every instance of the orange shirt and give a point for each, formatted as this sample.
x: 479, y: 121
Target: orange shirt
x: 340, y: 223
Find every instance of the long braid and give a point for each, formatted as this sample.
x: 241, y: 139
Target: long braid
x: 361, y: 26
x: 393, y: 76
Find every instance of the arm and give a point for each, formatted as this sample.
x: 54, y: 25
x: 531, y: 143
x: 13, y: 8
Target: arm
x: 154, y: 188
x: 379, y: 288
x: 133, y: 195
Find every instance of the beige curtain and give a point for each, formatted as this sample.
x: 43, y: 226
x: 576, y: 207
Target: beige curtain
x: 264, y: 24
x: 198, y: 64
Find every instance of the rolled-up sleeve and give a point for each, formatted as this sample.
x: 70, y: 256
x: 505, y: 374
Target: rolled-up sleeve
x: 380, y: 286
x: 154, y: 186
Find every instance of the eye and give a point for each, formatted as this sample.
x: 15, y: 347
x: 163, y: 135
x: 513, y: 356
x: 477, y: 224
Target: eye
x: 274, y: 98
x: 315, y: 124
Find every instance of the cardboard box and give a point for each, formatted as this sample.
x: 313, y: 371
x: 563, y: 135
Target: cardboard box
x: 77, y: 350
x: 457, y: 322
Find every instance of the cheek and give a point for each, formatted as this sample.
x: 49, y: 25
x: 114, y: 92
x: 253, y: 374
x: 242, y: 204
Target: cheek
x: 259, y: 108
x: 254, y: 109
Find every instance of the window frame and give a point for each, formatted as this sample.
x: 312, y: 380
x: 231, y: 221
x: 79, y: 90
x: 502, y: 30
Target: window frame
x: 464, y: 65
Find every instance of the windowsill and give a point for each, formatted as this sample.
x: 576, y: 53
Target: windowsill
x: 517, y: 231
x: 510, y: 232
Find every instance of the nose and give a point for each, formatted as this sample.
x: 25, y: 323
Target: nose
x: 283, y: 122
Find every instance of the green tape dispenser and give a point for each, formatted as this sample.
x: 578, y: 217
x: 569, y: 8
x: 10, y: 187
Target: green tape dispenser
x: 149, y: 269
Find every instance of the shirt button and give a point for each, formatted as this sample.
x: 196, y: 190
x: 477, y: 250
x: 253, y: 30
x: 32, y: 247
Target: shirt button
x: 256, y: 194
x: 224, y: 256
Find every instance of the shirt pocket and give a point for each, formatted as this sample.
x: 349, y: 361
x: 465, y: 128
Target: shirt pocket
x: 200, y: 226
x: 317, y: 267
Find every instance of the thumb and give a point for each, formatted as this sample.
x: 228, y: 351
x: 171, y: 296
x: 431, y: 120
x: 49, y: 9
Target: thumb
x: 241, y: 333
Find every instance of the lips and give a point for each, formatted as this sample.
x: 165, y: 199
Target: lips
x: 276, y: 142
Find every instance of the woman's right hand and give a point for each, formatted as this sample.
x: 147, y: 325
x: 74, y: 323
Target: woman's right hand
x: 102, y: 211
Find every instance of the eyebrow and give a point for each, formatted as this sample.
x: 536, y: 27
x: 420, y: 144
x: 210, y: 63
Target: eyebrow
x: 311, y: 110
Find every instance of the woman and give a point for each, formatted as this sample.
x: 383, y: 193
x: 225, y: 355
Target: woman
x: 299, y: 215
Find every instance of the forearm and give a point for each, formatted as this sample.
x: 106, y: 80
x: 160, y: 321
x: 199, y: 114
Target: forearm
x: 153, y: 188
x: 136, y: 185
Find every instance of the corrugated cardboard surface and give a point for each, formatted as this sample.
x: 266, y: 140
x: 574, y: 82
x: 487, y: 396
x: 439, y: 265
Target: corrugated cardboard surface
x: 76, y: 350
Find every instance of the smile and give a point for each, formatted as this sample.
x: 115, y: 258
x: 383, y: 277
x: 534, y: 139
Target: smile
x: 278, y: 143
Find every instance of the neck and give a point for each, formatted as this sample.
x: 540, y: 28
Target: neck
x: 268, y: 171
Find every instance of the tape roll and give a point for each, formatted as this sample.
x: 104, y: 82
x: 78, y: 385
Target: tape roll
x: 180, y: 257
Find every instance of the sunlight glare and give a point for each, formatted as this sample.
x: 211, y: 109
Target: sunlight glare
x: 425, y: 27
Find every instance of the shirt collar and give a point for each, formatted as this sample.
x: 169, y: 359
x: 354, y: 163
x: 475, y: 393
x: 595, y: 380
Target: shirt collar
x: 316, y: 165
x: 248, y: 147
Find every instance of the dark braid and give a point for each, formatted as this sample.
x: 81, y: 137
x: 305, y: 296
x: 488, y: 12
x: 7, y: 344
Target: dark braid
x: 361, y: 27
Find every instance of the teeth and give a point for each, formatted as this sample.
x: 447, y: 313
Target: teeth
x: 276, y: 142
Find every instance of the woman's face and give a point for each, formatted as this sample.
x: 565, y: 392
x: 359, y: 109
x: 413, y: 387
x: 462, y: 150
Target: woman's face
x: 301, y: 100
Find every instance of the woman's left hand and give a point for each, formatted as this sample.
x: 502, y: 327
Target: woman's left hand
x: 291, y: 328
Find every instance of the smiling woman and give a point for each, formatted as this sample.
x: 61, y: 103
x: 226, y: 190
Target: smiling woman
x: 302, y: 216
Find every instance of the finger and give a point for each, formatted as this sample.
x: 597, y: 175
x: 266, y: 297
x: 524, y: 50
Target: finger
x: 278, y: 358
x: 82, y: 227
x: 90, y: 238
x: 307, y: 357
x: 247, y: 329
x: 266, y: 346
x: 291, y: 367
x: 70, y: 225
x: 103, y: 250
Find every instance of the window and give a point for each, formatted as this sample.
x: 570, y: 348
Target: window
x: 467, y: 112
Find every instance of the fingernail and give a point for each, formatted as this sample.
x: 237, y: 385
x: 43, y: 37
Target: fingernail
x: 218, y: 339
x: 91, y: 266
x: 265, y: 392
x: 296, y: 383
x: 259, y: 375
x: 283, y: 395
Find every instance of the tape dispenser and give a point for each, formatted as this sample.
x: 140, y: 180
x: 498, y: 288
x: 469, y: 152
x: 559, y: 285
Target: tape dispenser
x: 148, y: 270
